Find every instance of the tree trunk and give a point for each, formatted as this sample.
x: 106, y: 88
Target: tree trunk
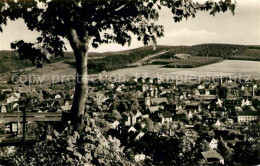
x: 80, y: 48
x: 81, y: 88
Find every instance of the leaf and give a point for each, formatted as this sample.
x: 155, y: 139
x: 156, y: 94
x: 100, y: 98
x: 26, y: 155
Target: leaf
x: 232, y: 8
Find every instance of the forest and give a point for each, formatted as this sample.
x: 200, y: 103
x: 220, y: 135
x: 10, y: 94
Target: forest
x: 194, y: 61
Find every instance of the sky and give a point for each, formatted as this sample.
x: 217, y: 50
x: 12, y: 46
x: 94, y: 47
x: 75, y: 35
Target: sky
x: 242, y: 28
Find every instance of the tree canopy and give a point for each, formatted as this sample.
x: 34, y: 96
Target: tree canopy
x: 85, y: 22
x: 103, y: 21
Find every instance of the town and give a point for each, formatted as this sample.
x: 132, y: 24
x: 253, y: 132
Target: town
x: 156, y: 121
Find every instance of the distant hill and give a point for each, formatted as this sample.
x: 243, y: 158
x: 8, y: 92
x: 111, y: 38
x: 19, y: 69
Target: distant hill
x: 9, y: 60
x: 226, y: 51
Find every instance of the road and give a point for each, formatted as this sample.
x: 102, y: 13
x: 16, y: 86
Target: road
x: 144, y: 60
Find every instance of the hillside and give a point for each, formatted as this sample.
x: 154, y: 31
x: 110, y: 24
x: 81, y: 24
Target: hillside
x: 122, y: 59
x: 226, y: 51
x: 10, y: 61
x: 115, y: 60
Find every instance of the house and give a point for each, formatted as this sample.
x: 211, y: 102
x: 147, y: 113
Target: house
x: 145, y: 87
x: 134, y: 79
x: 207, y: 92
x: 201, y: 87
x: 114, y: 125
x: 246, y: 103
x: 196, y: 92
x: 217, y: 123
x: 219, y: 112
x: 166, y: 117
x: 139, y: 157
x: 213, y: 144
x: 66, y: 108
x: 153, y: 109
x: 165, y: 91
x: 219, y: 102
x: 58, y: 96
x: 191, y: 114
x: 212, y: 157
x: 153, y: 91
x: 131, y: 129
x: 130, y: 118
x: 139, y: 136
x: 3, y: 109
x: 14, y: 97
x: 178, y: 107
x: 181, y: 112
x: 210, y: 121
x: 159, y: 100
x: 232, y: 102
x: 247, y: 116
x: 12, y: 127
x: 147, y: 101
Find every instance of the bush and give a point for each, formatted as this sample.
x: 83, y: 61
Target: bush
x: 85, y: 146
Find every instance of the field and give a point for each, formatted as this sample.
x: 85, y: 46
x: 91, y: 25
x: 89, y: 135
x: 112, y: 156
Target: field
x: 117, y: 62
x: 232, y: 68
x: 188, y: 63
x: 63, y: 71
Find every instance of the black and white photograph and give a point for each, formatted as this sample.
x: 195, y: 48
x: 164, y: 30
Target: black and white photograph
x: 129, y: 82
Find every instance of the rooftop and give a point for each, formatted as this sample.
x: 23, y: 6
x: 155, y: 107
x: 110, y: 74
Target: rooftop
x: 166, y: 114
x: 249, y: 113
x: 211, y: 154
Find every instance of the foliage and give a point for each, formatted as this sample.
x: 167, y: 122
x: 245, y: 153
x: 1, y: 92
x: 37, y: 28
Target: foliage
x: 224, y: 150
x: 173, y: 151
x: 149, y: 124
x: 114, y: 115
x: 79, y: 21
x: 246, y: 152
x: 86, y: 146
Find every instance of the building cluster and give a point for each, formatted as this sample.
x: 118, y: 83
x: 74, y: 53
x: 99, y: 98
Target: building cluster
x: 143, y: 112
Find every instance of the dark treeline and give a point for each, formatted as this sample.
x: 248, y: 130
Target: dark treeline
x: 118, y: 61
x: 194, y: 61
